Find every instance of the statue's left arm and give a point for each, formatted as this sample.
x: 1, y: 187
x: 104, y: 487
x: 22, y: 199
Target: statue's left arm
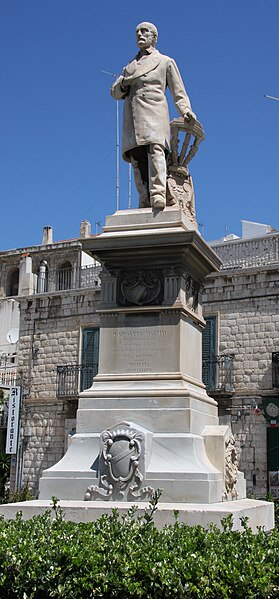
x: 178, y: 91
x: 118, y: 90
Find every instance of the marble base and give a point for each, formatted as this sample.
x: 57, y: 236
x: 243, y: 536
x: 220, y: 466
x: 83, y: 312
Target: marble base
x: 177, y: 464
x: 149, y: 383
x: 260, y: 513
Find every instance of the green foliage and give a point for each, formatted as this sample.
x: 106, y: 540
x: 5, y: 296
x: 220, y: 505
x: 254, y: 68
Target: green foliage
x: 276, y: 514
x: 127, y: 557
x: 22, y: 494
x: 5, y: 462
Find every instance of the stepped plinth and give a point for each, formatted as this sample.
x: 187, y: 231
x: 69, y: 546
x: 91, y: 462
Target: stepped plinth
x: 147, y: 421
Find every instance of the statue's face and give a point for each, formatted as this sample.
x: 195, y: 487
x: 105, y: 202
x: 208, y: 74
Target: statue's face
x: 145, y: 37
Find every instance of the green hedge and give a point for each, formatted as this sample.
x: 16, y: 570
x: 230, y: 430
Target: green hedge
x: 127, y: 557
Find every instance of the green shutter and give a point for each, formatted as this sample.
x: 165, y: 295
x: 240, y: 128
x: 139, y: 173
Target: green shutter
x: 89, y: 357
x: 273, y: 461
x: 273, y: 448
x: 209, y: 352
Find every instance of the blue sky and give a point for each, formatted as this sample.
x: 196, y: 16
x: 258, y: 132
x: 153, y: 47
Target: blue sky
x: 57, y: 119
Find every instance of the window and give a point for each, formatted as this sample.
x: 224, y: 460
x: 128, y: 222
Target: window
x: 89, y: 357
x: 273, y: 459
x: 209, y: 352
x: 275, y: 369
x: 12, y: 282
x: 64, y: 276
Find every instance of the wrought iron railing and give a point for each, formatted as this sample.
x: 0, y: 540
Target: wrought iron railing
x: 249, y: 253
x: 8, y: 376
x: 70, y: 278
x: 275, y: 369
x: 58, y: 280
x: 218, y: 373
x: 74, y: 378
x: 65, y: 279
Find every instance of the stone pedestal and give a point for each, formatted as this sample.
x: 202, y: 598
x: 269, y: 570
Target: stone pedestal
x: 147, y: 421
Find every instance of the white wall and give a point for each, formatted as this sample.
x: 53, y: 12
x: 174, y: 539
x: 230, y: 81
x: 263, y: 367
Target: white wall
x: 9, y: 319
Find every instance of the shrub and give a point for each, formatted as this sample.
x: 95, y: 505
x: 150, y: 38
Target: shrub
x: 5, y: 463
x: 127, y: 557
x: 22, y: 494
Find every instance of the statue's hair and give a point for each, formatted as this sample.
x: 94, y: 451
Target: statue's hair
x: 150, y: 26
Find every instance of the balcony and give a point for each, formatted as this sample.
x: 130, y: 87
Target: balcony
x: 73, y: 378
x: 275, y: 369
x: 8, y: 376
x: 63, y: 279
x: 218, y: 374
x: 249, y: 253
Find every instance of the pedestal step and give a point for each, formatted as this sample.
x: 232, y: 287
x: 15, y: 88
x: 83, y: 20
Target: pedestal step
x: 259, y: 513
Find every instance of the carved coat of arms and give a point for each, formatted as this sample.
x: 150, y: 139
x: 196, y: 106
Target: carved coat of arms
x: 140, y: 287
x: 120, y: 475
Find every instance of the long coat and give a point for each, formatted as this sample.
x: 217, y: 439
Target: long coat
x: 146, y: 115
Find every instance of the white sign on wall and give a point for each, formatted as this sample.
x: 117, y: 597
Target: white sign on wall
x: 13, y: 420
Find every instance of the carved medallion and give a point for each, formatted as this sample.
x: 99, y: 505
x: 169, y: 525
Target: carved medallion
x: 122, y: 450
x: 140, y: 287
x: 119, y: 465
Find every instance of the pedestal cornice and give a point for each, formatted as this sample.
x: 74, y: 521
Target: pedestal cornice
x: 140, y: 235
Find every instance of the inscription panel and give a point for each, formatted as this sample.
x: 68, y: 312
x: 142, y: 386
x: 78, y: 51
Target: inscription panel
x: 142, y: 350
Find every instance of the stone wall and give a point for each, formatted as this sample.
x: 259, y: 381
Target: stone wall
x: 50, y: 332
x: 246, y: 303
x: 43, y: 437
x: 249, y: 429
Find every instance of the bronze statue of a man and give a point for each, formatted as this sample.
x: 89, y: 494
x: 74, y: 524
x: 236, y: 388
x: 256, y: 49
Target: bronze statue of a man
x: 146, y: 127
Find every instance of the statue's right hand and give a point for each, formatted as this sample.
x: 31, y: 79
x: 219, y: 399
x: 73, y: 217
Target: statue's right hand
x: 190, y: 115
x: 124, y: 84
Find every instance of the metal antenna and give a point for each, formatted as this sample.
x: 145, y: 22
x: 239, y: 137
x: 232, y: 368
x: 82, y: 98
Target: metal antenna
x: 129, y: 185
x: 97, y: 224
x: 117, y: 143
x: 271, y: 97
x: 117, y: 156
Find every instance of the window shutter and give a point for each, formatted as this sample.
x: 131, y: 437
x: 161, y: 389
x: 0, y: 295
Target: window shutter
x: 209, y: 352
x: 89, y: 357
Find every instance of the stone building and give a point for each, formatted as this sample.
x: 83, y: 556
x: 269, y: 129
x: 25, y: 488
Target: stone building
x: 241, y: 350
x: 56, y: 355
x: 55, y: 289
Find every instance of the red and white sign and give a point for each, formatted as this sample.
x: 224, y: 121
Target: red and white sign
x: 13, y: 420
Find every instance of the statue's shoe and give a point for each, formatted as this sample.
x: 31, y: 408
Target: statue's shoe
x: 159, y: 203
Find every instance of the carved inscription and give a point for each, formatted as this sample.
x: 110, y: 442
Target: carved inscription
x: 142, y: 350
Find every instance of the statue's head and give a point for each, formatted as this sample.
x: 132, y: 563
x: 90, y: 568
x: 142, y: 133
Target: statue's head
x: 147, y: 35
